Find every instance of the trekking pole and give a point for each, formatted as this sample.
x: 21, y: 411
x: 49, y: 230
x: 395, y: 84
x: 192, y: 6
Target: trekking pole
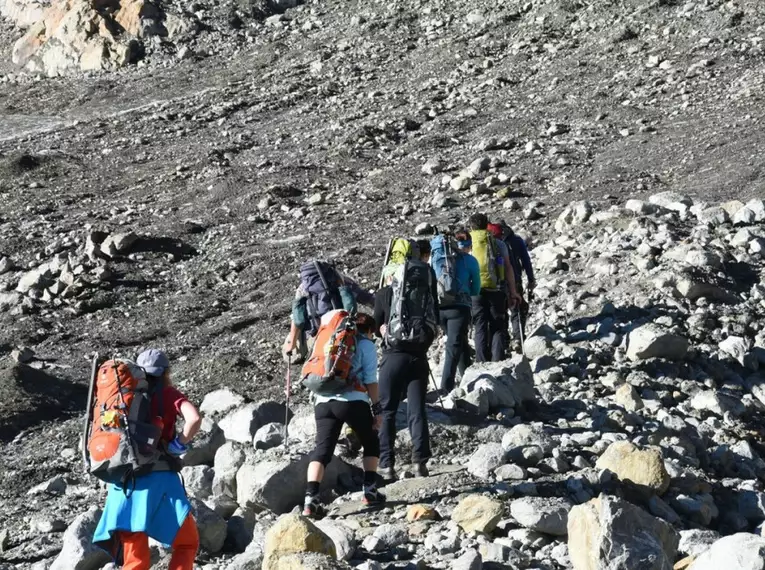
x: 520, y: 330
x: 288, y: 391
x: 89, y: 413
x: 438, y: 391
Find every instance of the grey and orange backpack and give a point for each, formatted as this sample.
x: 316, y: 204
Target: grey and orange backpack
x: 121, y: 437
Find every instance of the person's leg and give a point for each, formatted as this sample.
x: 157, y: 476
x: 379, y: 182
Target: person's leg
x: 481, y: 326
x: 327, y: 433
x: 497, y: 315
x: 450, y: 323
x: 185, y: 545
x: 135, y: 550
x: 389, y: 379
x: 360, y: 419
x: 417, y: 415
x: 466, y: 357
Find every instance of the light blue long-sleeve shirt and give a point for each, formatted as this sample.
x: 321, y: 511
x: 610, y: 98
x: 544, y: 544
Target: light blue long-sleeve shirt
x: 363, y: 367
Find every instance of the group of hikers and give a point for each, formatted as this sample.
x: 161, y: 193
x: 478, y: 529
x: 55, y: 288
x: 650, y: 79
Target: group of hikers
x: 472, y: 276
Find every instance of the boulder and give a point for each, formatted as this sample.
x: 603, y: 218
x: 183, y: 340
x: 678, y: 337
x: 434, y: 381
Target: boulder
x: 294, y: 534
x: 228, y: 459
x: 526, y: 435
x: 212, y: 527
x: 241, y: 424
x: 78, y: 551
x: 421, y: 512
x: 240, y: 529
x: 268, y: 436
x: 470, y: 560
x: 643, y: 468
x: 220, y: 401
x: 250, y: 559
x: 508, y: 383
x: 486, y: 459
x: 119, y: 243
x: 198, y: 481
x: 342, y: 537
x: 742, y: 551
x: 279, y: 484
x: 205, y: 444
x: 548, y: 515
x: 696, y: 541
x: 653, y: 341
x: 609, y: 532
x: 628, y: 398
x: 478, y: 513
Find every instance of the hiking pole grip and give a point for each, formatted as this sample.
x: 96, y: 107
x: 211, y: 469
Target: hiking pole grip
x: 89, y: 413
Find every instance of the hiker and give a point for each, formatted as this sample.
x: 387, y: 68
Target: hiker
x: 490, y: 307
x: 155, y: 504
x: 322, y: 288
x: 359, y: 407
x: 407, y: 311
x: 521, y: 261
x: 459, y: 280
x: 507, y: 256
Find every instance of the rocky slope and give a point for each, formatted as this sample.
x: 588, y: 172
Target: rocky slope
x: 169, y: 203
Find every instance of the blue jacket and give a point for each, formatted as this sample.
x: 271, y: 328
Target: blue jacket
x: 520, y: 258
x: 468, y: 275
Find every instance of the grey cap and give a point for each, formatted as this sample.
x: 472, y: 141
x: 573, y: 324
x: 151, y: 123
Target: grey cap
x: 153, y: 361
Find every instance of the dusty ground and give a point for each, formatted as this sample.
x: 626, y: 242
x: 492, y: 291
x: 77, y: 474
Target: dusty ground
x: 184, y: 154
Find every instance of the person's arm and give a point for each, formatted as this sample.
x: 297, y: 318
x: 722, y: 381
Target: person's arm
x: 525, y: 259
x: 191, y: 422
x: 382, y: 307
x: 474, y: 271
x: 362, y: 295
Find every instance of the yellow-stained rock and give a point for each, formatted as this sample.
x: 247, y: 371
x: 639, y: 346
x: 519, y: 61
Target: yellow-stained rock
x: 478, y: 513
x: 294, y: 534
x: 421, y: 513
x: 643, y: 467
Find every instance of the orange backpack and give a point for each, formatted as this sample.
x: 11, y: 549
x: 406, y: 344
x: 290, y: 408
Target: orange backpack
x: 328, y: 370
x: 121, y: 439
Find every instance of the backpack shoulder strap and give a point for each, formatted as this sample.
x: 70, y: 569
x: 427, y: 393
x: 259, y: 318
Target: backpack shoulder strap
x: 324, y: 284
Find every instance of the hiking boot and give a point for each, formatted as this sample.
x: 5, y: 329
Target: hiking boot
x: 313, y: 509
x: 373, y: 498
x: 421, y: 469
x: 387, y: 473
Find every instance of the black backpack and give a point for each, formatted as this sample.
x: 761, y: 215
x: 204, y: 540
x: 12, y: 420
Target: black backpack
x: 412, y: 321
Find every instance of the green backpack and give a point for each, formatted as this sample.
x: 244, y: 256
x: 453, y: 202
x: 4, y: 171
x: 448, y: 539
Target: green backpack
x: 486, y: 251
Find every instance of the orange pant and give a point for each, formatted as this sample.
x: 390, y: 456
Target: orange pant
x: 136, y: 555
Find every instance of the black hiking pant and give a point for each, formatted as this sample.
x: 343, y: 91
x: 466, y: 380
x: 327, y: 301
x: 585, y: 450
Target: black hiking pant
x: 455, y: 322
x: 403, y: 375
x: 490, y: 324
x: 520, y: 315
x: 330, y: 417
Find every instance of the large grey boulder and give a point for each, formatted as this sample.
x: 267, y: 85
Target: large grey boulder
x: 279, y: 484
x: 341, y: 535
x: 241, y: 424
x: 228, y: 460
x: 610, y: 533
x: 207, y: 441
x: 198, y: 481
x: 508, y: 383
x: 653, y: 341
x: 525, y: 435
x: 78, y: 551
x: 548, y: 515
x: 742, y: 551
x: 212, y: 527
x: 485, y: 459
x: 220, y: 401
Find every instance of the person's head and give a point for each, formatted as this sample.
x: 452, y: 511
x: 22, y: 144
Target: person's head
x: 464, y: 243
x: 478, y: 222
x: 423, y: 246
x: 365, y: 324
x: 506, y: 229
x: 156, y: 364
x: 495, y: 230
